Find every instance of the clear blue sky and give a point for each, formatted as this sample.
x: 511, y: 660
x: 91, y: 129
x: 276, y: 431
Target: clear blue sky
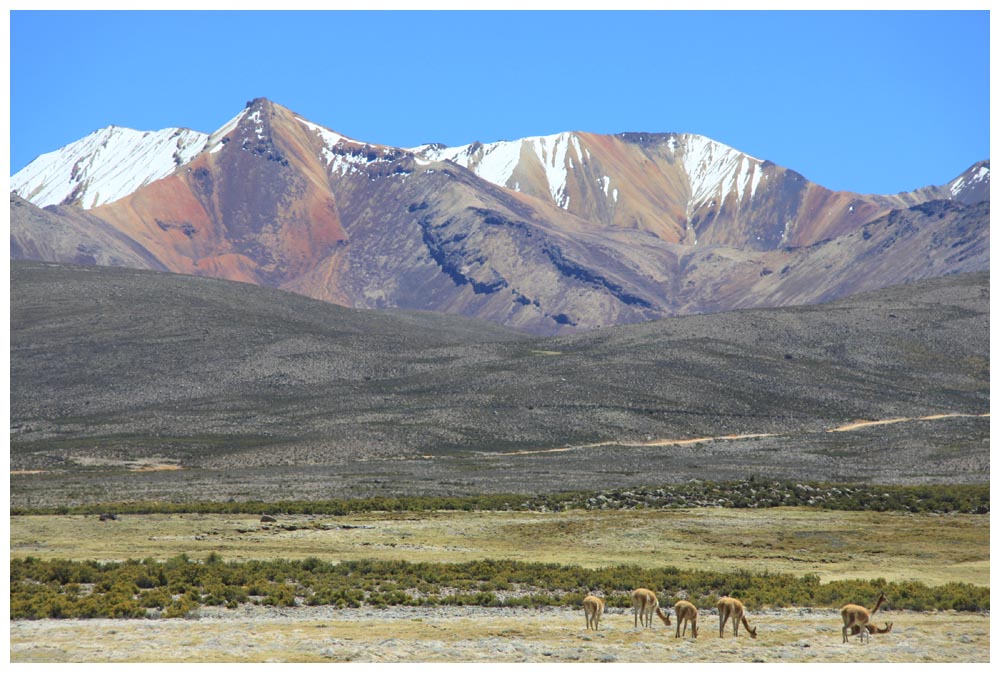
x: 873, y: 102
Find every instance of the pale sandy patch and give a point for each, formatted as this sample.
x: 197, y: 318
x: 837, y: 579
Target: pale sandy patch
x: 158, y: 467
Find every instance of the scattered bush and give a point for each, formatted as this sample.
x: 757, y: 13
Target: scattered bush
x: 183, y: 606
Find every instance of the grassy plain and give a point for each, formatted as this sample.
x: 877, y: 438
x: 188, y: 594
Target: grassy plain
x: 929, y: 548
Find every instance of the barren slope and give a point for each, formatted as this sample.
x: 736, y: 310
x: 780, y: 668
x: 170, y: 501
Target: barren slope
x: 116, y: 367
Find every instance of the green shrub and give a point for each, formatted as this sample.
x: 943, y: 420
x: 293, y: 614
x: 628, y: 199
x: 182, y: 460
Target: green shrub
x: 155, y: 598
x: 181, y: 607
x: 281, y: 595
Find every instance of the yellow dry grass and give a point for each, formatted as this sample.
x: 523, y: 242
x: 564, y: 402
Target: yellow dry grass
x: 933, y: 549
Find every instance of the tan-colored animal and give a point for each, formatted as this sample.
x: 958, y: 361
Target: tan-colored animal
x: 593, y: 608
x: 732, y: 608
x: 686, y: 613
x: 644, y: 604
x: 858, y: 615
x: 869, y: 629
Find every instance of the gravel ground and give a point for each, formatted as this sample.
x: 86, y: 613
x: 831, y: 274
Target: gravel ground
x: 258, y: 394
x: 947, y: 450
x: 475, y: 634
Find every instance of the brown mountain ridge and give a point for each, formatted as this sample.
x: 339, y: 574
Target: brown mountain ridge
x: 550, y: 235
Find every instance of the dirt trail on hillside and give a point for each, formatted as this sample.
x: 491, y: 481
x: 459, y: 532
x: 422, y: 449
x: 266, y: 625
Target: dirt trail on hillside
x: 889, y: 421
x: 654, y: 442
x: 856, y: 425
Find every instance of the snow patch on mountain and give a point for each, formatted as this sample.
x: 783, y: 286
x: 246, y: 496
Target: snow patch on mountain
x: 215, y: 140
x: 106, y: 165
x: 575, y: 141
x: 342, y: 164
x: 964, y: 182
x: 552, y: 151
x: 354, y: 157
x: 258, y: 124
x: 329, y: 138
x: 715, y: 170
x: 495, y: 162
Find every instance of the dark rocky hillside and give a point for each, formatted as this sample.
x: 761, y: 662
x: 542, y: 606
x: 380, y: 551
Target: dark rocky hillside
x: 261, y: 393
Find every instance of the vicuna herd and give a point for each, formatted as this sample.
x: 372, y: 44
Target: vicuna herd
x: 645, y: 604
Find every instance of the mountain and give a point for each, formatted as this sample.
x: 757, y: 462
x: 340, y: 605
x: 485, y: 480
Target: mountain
x: 106, y: 165
x: 972, y: 186
x: 67, y: 234
x: 683, y: 188
x: 552, y: 234
x: 255, y: 391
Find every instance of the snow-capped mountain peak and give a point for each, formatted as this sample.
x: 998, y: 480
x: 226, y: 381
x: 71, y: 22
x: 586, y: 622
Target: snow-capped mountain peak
x: 973, y: 185
x: 105, y: 166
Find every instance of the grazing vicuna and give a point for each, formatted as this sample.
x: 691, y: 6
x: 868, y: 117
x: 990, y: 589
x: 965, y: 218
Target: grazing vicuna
x: 732, y: 608
x: 593, y: 608
x: 858, y: 615
x: 644, y: 604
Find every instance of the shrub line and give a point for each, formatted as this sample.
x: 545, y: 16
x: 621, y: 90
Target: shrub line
x: 747, y: 493
x: 179, y: 586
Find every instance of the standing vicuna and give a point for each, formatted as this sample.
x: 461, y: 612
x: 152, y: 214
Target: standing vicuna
x: 644, y: 604
x: 593, y: 608
x: 858, y: 615
x: 732, y: 608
